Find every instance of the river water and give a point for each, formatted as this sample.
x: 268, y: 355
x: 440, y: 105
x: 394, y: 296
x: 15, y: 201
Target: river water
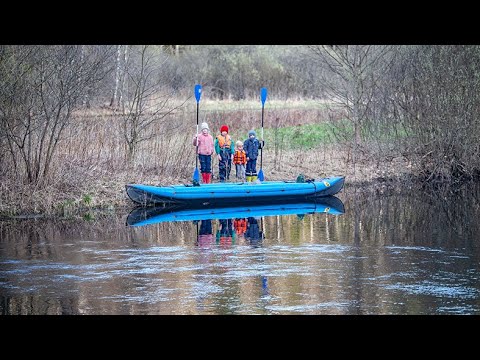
x: 381, y: 254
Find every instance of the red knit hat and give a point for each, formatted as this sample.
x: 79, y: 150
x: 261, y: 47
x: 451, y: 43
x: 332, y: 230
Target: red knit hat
x: 224, y: 128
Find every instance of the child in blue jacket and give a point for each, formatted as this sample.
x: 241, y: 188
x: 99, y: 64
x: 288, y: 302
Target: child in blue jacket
x: 251, y: 147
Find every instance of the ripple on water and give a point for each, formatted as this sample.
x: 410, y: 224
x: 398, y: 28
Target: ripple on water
x: 457, y: 310
x: 152, y: 297
x: 436, y: 289
x: 309, y: 307
x: 415, y: 248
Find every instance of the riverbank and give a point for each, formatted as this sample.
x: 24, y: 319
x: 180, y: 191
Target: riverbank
x: 82, y: 192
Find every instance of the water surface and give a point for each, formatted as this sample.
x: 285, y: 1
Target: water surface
x: 387, y: 254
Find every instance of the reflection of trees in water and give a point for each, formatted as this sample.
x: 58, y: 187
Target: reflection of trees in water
x: 415, y: 218
x: 63, y: 242
x: 37, y: 305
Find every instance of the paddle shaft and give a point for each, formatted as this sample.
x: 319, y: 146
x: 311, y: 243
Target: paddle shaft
x: 261, y: 150
x: 196, y: 152
x: 196, y: 175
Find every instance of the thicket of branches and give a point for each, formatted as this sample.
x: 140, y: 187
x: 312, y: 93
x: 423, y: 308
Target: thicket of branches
x: 41, y: 86
x: 418, y: 102
x: 429, y: 100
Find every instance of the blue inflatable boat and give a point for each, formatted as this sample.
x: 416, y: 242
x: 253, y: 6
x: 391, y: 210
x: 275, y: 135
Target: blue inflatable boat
x: 230, y: 194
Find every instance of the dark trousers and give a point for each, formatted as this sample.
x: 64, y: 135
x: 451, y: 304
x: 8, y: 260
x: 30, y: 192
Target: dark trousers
x: 251, y: 169
x: 225, y: 165
x: 205, y: 163
x: 226, y: 227
x: 206, y: 227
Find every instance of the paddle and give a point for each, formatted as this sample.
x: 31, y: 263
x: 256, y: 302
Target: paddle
x: 196, y: 174
x: 263, y: 97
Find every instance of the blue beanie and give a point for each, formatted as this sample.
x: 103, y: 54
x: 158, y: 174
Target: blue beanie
x: 252, y: 132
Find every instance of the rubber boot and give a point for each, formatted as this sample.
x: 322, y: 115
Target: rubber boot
x: 254, y: 178
x: 249, y: 178
x: 204, y: 178
x: 208, y: 178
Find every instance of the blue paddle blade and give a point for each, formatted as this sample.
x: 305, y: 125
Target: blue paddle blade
x: 198, y: 92
x: 263, y: 95
x: 196, y: 175
x: 260, y: 175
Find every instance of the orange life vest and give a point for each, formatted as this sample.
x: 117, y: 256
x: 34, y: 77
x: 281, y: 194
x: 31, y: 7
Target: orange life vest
x: 240, y: 226
x: 240, y: 157
x: 224, y: 142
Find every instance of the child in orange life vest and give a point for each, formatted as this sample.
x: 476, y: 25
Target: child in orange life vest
x: 205, y: 151
x: 224, y: 149
x: 240, y: 160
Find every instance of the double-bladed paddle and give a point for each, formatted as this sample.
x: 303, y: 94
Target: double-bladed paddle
x: 196, y: 174
x: 263, y: 97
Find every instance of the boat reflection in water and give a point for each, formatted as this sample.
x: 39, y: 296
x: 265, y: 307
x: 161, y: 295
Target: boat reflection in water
x: 141, y: 216
x: 241, y: 224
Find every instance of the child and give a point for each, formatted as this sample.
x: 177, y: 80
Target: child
x: 240, y: 160
x: 205, y: 235
x: 253, y: 233
x: 225, y: 235
x: 251, y: 146
x: 205, y: 151
x: 240, y: 226
x: 224, y: 149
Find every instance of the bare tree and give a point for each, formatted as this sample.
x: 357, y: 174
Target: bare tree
x: 350, y: 75
x: 113, y: 101
x: 434, y: 94
x: 41, y: 87
x: 148, y: 101
x: 124, y: 78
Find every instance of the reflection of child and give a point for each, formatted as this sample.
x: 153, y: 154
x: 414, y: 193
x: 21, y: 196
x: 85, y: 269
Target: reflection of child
x: 225, y: 233
x: 253, y: 233
x: 240, y: 160
x: 240, y: 226
x: 205, y: 235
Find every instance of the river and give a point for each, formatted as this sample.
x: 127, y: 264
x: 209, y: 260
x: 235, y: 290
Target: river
x: 389, y: 253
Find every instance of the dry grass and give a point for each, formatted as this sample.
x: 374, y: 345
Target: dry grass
x: 90, y: 170
x: 107, y: 190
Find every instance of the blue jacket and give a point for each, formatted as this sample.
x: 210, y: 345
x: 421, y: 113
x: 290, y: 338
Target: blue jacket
x: 251, y: 148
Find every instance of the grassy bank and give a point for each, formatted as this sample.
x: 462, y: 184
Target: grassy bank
x: 102, y: 190
x: 90, y: 169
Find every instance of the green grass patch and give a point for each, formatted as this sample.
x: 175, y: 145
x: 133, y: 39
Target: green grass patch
x: 87, y: 199
x: 306, y: 136
x: 88, y: 216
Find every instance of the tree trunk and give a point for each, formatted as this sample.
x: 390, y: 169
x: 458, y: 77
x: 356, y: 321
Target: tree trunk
x: 117, y: 77
x: 124, y: 89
